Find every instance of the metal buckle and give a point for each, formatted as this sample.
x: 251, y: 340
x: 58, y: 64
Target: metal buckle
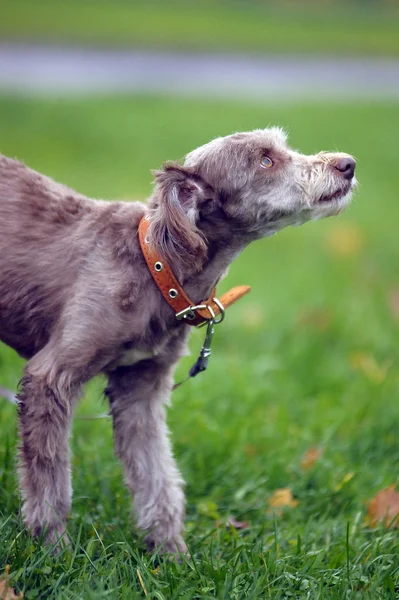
x: 189, y: 313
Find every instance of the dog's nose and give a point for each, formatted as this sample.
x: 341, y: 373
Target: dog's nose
x: 346, y: 166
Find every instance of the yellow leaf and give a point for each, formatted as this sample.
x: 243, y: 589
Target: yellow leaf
x: 366, y: 364
x: 345, y: 239
x: 344, y: 481
x: 282, y: 497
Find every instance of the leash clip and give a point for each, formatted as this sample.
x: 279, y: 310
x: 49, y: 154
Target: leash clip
x: 202, y: 361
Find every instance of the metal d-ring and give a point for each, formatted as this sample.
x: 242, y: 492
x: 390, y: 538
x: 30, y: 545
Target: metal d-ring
x: 222, y: 311
x: 212, y: 312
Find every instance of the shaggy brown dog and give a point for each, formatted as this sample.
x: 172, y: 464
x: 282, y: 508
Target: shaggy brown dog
x: 77, y: 299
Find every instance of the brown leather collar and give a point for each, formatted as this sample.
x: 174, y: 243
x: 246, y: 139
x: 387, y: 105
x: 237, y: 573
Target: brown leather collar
x: 174, y: 294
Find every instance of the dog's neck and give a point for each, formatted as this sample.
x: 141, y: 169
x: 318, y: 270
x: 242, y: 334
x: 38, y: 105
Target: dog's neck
x: 222, y: 251
x: 198, y: 286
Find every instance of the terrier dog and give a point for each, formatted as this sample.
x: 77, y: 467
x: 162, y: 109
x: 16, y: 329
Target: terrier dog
x: 77, y: 299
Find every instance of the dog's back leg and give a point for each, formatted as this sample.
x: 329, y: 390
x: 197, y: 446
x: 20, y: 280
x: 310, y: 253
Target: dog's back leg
x: 45, y: 411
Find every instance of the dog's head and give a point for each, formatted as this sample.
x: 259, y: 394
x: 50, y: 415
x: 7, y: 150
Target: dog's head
x: 254, y: 183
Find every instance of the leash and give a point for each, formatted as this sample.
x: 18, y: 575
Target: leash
x: 8, y: 395
x: 209, y: 313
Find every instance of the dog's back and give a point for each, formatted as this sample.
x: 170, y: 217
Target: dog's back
x: 38, y: 221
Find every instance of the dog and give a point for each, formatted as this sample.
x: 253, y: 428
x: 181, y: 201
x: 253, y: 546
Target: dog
x: 77, y: 299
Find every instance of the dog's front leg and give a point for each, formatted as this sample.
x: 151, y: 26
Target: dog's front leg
x: 44, y: 422
x: 137, y: 396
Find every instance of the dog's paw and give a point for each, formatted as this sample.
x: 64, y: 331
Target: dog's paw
x: 175, y: 546
x: 53, y: 536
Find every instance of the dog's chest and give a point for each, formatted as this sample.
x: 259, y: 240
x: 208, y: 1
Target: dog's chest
x: 132, y: 356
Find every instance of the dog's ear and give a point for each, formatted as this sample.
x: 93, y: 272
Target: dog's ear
x: 179, y: 196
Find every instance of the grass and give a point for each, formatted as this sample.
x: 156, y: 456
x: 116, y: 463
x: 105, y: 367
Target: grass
x: 309, y: 359
x: 344, y: 27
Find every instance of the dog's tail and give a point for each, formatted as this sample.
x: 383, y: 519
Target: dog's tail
x: 8, y: 395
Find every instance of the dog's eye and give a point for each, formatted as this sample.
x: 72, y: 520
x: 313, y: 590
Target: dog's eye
x: 266, y: 162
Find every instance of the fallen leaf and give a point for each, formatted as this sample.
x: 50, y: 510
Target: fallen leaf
x: 250, y: 450
x: 7, y: 592
x: 366, y: 364
x: 237, y: 524
x: 281, y: 498
x: 318, y: 319
x: 345, y: 239
x: 311, y: 457
x: 384, y: 507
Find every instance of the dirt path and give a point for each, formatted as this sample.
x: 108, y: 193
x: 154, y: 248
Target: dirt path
x: 58, y: 71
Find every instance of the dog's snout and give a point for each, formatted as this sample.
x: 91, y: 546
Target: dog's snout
x: 346, y: 166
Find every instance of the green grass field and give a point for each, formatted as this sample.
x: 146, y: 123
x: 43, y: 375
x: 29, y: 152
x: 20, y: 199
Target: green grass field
x: 344, y: 27
x: 310, y: 358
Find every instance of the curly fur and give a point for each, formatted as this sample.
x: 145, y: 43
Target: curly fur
x: 77, y: 299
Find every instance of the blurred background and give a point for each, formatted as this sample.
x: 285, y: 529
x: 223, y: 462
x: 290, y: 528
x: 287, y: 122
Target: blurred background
x: 95, y: 94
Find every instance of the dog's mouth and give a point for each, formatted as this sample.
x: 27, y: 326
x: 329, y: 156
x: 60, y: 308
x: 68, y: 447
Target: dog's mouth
x: 337, y: 195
